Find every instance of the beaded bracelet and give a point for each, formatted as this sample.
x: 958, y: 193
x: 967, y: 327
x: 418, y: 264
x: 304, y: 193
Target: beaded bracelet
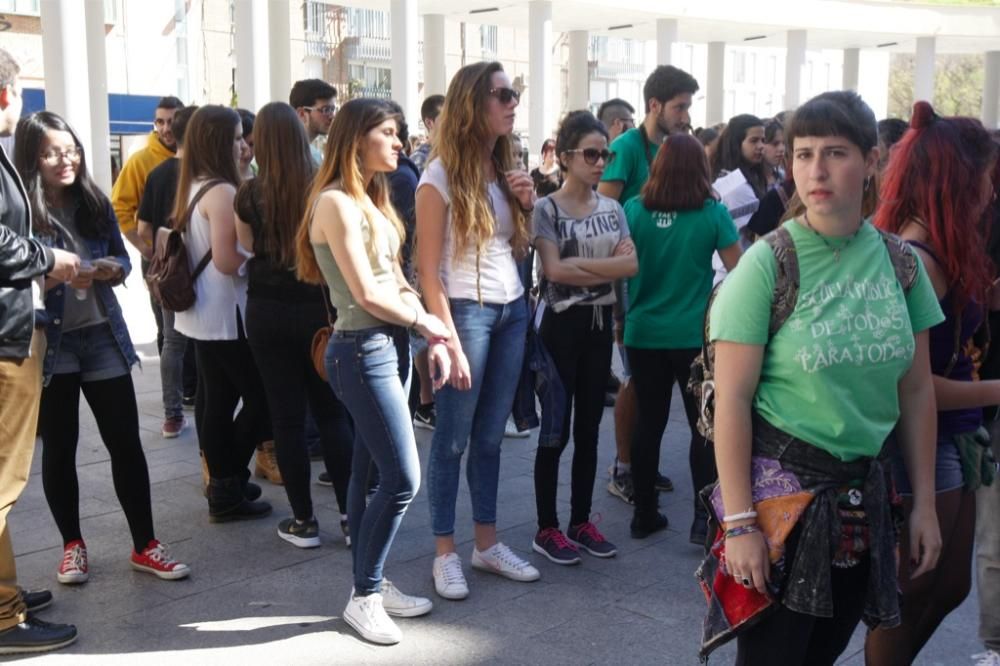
x: 741, y: 530
x: 749, y: 513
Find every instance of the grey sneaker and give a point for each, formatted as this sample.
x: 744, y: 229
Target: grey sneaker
x: 621, y: 487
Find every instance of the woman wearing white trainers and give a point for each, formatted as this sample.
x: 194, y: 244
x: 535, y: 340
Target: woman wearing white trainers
x: 350, y: 237
x: 473, y: 209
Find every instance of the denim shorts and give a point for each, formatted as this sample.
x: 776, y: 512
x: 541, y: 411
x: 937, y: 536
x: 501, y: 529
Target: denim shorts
x: 947, y: 468
x: 92, y: 352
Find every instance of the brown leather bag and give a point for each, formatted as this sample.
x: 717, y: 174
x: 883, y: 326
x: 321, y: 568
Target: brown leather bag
x: 169, y: 277
x: 322, y: 338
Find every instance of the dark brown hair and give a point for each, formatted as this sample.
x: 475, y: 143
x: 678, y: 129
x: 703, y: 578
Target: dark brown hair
x: 679, y: 178
x: 208, y: 153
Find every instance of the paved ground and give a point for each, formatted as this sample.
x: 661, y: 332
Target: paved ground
x: 254, y: 599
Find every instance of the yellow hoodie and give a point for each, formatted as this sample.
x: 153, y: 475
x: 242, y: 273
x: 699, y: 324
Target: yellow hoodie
x: 127, y: 191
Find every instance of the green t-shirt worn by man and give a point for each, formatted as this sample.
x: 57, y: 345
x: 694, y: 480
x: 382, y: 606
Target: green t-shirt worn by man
x: 830, y: 375
x: 633, y: 155
x: 669, y: 294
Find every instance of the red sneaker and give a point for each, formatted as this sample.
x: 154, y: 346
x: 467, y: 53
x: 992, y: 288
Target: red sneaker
x: 73, y: 568
x: 156, y: 561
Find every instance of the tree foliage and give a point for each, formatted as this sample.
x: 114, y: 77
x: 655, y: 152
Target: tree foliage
x: 958, y: 85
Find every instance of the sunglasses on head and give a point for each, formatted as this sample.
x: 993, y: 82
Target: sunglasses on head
x: 591, y: 155
x: 505, y: 95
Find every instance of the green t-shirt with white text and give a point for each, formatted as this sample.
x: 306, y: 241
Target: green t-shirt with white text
x: 830, y: 375
x: 669, y: 294
x: 630, y: 167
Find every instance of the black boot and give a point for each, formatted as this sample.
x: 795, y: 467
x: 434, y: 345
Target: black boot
x: 227, y: 502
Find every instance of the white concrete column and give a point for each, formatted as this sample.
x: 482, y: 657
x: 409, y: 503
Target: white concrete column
x: 403, y: 20
x: 852, y: 65
x: 435, y: 70
x: 579, y: 70
x: 991, y: 90
x: 280, y: 45
x: 99, y: 159
x: 541, y: 110
x: 253, y: 69
x: 923, y: 75
x: 667, y: 31
x: 715, y: 86
x: 795, y: 65
x: 65, y: 53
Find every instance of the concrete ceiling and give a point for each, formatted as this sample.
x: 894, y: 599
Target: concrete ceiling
x: 831, y: 24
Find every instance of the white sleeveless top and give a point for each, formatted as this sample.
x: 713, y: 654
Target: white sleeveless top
x: 218, y: 296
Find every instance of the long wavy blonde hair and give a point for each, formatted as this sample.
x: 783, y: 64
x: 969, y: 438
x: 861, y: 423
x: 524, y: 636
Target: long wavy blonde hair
x: 462, y: 131
x: 342, y: 161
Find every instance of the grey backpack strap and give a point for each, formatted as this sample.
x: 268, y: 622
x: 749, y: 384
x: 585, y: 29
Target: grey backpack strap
x: 786, y: 282
x: 904, y: 259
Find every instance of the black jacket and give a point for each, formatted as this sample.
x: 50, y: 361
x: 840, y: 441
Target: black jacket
x: 22, y: 259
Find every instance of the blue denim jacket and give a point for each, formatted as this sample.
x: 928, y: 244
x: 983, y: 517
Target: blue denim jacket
x: 55, y: 298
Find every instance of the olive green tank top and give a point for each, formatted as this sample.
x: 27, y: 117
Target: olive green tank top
x: 350, y: 315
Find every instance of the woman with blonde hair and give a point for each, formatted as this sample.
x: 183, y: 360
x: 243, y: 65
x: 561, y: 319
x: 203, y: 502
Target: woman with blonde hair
x: 350, y: 238
x: 473, y: 208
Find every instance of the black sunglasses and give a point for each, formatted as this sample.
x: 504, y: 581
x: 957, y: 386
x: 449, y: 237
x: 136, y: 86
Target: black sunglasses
x: 505, y: 95
x: 591, y: 155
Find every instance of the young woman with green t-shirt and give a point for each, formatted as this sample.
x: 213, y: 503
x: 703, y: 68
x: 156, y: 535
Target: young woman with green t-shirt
x: 677, y: 226
x: 801, y: 415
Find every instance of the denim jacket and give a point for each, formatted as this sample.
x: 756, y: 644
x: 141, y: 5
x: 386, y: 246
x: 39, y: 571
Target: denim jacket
x: 55, y: 298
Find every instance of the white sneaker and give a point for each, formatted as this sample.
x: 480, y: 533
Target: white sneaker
x: 367, y: 617
x: 395, y: 602
x: 988, y: 658
x: 511, y: 430
x: 449, y: 581
x: 502, y: 561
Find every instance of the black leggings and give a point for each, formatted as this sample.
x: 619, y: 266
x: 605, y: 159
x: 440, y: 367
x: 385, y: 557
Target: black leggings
x: 795, y: 639
x: 226, y: 373
x: 654, y: 372
x: 281, y: 338
x: 113, y: 404
x: 580, y: 348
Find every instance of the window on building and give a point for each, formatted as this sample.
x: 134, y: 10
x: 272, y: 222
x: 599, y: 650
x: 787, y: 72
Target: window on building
x: 739, y: 67
x: 368, y: 23
x: 489, y: 41
x: 26, y: 7
x: 314, y: 17
x: 771, y: 72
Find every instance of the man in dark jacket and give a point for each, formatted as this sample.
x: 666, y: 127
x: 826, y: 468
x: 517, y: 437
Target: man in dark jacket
x: 24, y: 264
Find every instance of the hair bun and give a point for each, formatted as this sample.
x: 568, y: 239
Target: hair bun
x: 923, y: 115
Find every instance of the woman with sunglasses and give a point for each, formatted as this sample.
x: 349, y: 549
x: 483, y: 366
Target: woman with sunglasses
x: 677, y: 226
x: 473, y: 208
x: 583, y: 241
x: 89, y: 349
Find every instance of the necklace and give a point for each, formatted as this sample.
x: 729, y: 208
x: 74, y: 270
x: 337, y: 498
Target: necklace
x: 833, y: 248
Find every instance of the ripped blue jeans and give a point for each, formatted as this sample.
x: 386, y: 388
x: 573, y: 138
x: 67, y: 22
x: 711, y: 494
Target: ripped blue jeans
x: 492, y: 338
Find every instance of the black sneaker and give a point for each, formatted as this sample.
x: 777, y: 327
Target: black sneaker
x: 301, y: 534
x: 187, y: 402
x: 664, y: 484
x: 345, y: 528
x: 425, y: 417
x: 643, y: 527
x: 553, y: 544
x: 36, y: 600
x: 34, y: 635
x: 315, y: 450
x: 586, y: 537
x: 324, y: 480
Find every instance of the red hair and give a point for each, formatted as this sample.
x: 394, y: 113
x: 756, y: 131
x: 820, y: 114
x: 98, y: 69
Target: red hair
x: 933, y: 177
x: 679, y: 178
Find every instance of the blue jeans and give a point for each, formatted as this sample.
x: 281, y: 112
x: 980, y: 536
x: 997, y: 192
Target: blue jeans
x: 369, y: 371
x: 492, y: 337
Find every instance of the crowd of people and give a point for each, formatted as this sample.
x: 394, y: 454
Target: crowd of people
x: 818, y: 286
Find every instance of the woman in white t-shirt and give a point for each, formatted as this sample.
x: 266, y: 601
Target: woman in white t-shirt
x: 473, y: 206
x: 226, y: 369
